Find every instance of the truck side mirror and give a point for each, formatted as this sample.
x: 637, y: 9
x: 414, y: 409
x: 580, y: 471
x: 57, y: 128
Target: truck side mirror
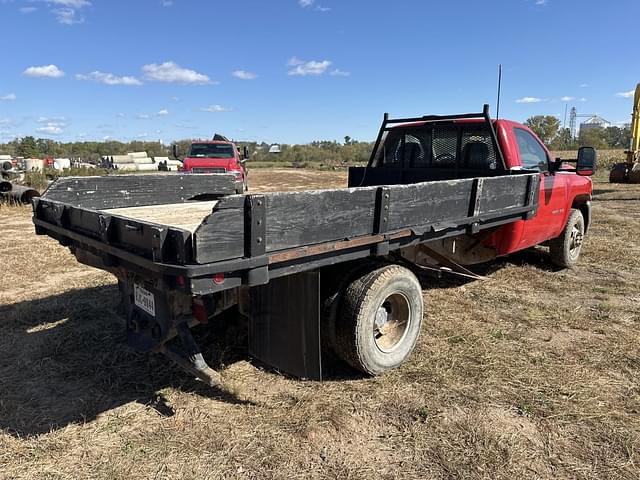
x: 586, y: 164
x: 245, y: 152
x: 175, y: 150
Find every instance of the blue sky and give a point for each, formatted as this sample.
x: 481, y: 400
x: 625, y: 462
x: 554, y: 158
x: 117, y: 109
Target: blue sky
x: 300, y: 70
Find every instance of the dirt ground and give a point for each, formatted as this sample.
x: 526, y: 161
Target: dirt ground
x: 531, y: 374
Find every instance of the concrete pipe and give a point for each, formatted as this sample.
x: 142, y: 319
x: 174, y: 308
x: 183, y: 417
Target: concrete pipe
x: 20, y: 194
x: 5, y: 186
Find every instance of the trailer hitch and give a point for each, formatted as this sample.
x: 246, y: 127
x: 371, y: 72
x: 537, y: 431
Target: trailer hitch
x: 189, y: 357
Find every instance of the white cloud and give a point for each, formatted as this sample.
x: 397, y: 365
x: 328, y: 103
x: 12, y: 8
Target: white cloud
x: 166, y: 3
x: 244, y: 75
x: 302, y: 68
x: 567, y: 99
x: 121, y: 115
x: 215, y: 109
x: 108, y: 79
x: 175, y: 99
x: 628, y: 94
x: 311, y: 3
x: 57, y: 120
x: 52, y: 128
x: 529, y: 100
x: 9, y: 97
x: 541, y: 2
x: 45, y: 71
x: 583, y: 99
x: 583, y: 85
x: 163, y: 112
x: 67, y: 16
x: 339, y: 73
x: 65, y: 10
x: 142, y: 116
x: 169, y: 72
x: 28, y: 9
x: 70, y: 3
x: 142, y: 135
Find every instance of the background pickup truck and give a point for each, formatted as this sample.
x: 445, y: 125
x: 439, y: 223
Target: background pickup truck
x: 325, y: 270
x: 216, y: 156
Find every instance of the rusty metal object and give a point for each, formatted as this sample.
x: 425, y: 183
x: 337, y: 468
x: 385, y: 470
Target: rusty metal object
x: 190, y: 358
x: 19, y: 193
x: 334, y: 246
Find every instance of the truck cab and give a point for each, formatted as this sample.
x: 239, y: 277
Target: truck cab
x: 217, y: 156
x: 450, y: 148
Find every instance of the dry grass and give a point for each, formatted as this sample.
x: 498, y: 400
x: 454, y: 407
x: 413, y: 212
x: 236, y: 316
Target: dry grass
x: 606, y: 158
x: 532, y: 374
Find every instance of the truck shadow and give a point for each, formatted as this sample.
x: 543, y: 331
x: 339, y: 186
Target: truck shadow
x: 63, y: 360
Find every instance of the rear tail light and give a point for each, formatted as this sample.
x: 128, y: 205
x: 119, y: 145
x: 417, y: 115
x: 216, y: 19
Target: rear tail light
x: 218, y: 278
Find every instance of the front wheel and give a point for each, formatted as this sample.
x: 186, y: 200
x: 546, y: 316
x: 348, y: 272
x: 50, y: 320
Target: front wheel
x: 565, y: 249
x: 379, y: 321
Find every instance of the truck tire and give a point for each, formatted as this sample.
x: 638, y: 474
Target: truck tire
x: 565, y: 249
x: 379, y: 319
x: 619, y: 173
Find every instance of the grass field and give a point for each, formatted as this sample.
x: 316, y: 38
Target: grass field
x: 532, y: 374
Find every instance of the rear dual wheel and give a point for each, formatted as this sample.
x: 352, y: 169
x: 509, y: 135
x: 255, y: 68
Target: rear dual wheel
x: 379, y: 319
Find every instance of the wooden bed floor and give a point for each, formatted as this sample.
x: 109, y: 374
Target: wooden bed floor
x: 187, y: 216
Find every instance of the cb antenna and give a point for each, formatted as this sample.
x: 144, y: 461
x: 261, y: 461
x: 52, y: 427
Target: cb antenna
x: 499, y: 91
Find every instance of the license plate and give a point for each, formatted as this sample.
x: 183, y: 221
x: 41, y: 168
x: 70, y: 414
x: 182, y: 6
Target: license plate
x: 144, y: 299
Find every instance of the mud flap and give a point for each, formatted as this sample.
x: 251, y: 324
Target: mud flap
x: 284, y: 324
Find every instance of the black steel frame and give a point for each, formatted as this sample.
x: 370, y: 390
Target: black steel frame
x: 386, y: 122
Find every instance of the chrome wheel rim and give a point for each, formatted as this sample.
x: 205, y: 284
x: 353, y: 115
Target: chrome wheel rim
x: 575, y: 240
x: 391, y: 322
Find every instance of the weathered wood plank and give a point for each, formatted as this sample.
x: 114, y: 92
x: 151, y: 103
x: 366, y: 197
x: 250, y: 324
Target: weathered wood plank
x: 298, y: 219
x: 429, y: 203
x: 187, y: 216
x: 302, y: 218
x: 501, y: 193
x: 118, y: 191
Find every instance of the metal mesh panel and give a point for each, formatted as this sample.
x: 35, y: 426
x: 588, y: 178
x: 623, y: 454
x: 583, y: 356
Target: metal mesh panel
x: 445, y: 146
x: 416, y: 149
x: 465, y: 146
x: 483, y: 158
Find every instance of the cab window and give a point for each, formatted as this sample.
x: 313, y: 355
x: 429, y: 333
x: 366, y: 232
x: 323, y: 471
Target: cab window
x: 532, y: 155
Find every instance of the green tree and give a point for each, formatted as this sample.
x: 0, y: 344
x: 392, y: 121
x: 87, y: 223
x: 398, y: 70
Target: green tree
x: 545, y: 126
x: 28, y: 148
x: 563, y: 141
x: 593, y: 137
x: 617, y: 137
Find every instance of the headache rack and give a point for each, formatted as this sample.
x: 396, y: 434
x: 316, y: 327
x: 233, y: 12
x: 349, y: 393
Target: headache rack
x: 439, y: 119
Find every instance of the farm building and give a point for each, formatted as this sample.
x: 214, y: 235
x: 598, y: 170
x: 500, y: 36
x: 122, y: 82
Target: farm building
x: 594, y: 122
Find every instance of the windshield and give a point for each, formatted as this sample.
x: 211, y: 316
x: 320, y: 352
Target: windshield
x: 211, y: 150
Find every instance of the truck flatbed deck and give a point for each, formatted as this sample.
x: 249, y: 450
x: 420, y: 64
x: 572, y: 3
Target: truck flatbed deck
x: 185, y: 216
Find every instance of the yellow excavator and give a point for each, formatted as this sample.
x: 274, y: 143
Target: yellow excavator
x: 629, y: 172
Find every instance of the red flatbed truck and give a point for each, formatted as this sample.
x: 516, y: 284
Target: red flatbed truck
x: 326, y: 269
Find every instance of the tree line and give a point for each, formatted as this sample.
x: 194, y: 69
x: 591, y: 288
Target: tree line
x: 548, y: 128
x: 330, y: 152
